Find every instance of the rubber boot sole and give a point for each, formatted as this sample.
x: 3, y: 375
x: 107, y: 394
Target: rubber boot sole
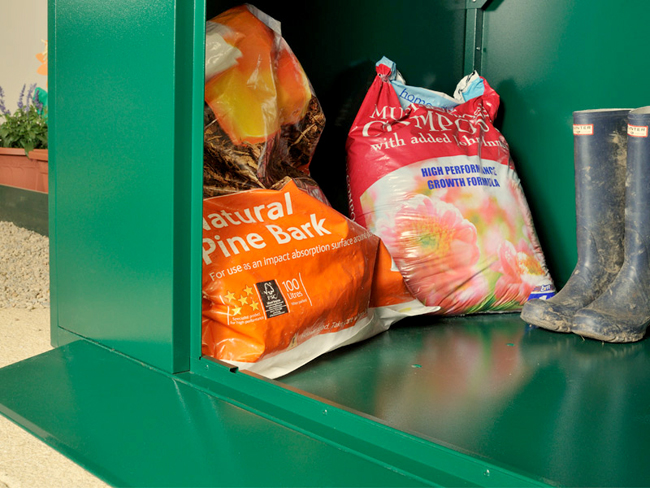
x: 548, y: 315
x: 594, y: 325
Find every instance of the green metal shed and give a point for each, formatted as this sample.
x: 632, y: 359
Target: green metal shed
x: 471, y: 401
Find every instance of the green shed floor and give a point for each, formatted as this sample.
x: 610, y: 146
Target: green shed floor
x: 490, y: 400
x: 572, y: 411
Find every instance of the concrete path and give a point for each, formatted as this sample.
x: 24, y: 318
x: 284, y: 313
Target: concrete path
x: 25, y: 461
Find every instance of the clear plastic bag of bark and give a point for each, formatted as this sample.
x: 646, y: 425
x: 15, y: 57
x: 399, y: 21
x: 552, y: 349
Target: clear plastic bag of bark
x: 262, y: 118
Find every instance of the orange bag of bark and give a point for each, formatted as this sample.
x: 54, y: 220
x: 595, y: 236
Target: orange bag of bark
x: 287, y: 278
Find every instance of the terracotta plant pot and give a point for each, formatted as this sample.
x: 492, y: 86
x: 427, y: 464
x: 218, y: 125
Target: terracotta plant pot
x: 40, y: 156
x: 20, y: 171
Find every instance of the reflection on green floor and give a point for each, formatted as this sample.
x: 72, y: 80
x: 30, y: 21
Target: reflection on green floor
x: 573, y: 411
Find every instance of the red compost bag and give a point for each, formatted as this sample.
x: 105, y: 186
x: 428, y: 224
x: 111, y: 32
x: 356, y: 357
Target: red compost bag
x: 433, y: 177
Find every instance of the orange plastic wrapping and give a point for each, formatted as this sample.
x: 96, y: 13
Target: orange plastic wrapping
x: 287, y: 278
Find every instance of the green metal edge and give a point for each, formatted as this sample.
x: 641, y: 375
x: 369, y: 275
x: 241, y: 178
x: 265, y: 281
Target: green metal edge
x: 188, y: 184
x: 56, y: 338
x: 64, y: 337
x: 423, y: 458
x: 472, y: 59
x: 195, y: 136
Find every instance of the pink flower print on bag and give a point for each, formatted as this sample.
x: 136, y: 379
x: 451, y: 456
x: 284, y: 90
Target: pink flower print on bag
x: 520, y: 274
x: 433, y: 246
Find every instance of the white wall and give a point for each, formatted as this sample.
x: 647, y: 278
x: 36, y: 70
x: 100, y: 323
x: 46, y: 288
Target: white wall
x: 23, y: 27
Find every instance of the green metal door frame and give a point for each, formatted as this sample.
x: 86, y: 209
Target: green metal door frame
x: 111, y: 225
x: 474, y: 36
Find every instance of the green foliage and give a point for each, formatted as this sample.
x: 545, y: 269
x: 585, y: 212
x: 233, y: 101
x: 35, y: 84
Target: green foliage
x: 26, y: 128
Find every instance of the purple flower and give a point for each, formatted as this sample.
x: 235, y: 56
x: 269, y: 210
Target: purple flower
x: 20, y: 98
x: 37, y: 102
x: 3, y: 109
x: 30, y: 94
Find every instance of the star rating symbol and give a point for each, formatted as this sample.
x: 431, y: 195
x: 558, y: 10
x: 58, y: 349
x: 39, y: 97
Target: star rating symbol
x: 245, y: 298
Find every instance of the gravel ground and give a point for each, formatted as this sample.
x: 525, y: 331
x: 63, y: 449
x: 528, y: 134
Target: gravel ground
x: 24, y: 268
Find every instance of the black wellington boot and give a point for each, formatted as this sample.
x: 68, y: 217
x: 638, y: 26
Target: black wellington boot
x: 622, y: 312
x: 600, y: 142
